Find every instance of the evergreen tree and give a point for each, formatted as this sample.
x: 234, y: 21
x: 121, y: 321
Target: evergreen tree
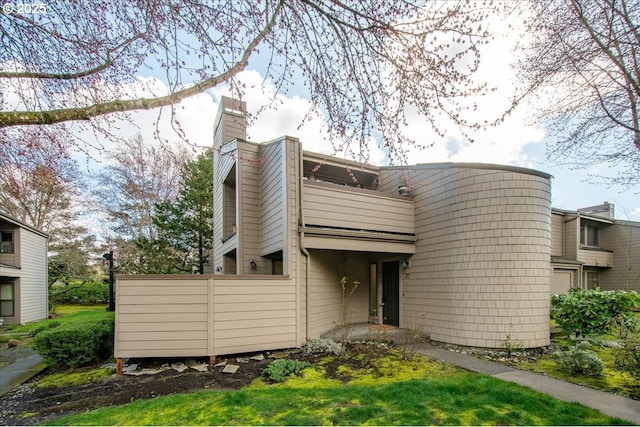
x: 185, y: 227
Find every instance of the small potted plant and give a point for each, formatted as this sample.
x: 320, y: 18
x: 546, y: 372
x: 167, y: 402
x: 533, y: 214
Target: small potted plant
x: 403, y: 188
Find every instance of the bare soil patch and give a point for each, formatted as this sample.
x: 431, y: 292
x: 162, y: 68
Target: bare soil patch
x: 30, y: 405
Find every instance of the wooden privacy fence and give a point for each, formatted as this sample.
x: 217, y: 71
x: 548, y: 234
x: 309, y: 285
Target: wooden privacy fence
x: 203, y: 315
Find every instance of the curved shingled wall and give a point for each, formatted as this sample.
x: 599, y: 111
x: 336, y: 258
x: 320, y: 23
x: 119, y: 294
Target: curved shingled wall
x: 481, y: 272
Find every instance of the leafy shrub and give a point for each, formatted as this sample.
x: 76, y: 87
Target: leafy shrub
x: 86, y: 293
x: 322, y: 346
x: 591, y: 312
x: 579, y: 360
x: 512, y: 345
x: 627, y: 357
x: 77, y: 343
x: 280, y: 369
x: 49, y: 325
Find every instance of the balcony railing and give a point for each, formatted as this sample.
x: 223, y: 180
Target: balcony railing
x: 595, y: 256
x: 334, y: 206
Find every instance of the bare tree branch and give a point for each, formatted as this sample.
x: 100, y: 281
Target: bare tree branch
x: 108, y: 62
x: 19, y: 118
x: 587, y: 53
x: 365, y: 63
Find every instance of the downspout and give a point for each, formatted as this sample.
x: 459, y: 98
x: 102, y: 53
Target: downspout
x: 304, y: 250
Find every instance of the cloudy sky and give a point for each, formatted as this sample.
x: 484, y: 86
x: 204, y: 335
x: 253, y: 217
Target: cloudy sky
x: 517, y: 141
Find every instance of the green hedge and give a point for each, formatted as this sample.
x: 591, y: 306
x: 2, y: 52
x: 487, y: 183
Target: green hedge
x: 79, y: 343
x: 88, y: 293
x: 592, y: 312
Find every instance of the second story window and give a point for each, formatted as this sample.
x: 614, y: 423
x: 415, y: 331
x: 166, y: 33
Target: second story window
x: 590, y: 235
x: 6, y: 242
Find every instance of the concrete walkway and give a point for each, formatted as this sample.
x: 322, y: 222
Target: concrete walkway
x: 607, y: 403
x: 26, y: 364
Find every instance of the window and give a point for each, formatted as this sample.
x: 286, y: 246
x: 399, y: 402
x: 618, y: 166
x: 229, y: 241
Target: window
x: 589, y: 235
x: 6, y: 242
x: 6, y: 300
x: 591, y: 279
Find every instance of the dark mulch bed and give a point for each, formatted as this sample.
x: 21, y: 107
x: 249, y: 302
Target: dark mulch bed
x: 29, y: 405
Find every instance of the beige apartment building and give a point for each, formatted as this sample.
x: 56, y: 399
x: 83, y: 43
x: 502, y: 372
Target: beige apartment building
x: 590, y: 249
x: 463, y: 251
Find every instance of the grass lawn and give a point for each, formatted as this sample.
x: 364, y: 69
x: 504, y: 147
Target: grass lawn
x: 65, y: 309
x: 385, y: 391
x: 65, y: 313
x: 612, y: 380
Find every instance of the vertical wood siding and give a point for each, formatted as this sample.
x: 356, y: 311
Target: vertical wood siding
x: 557, y: 235
x: 624, y: 239
x: 272, y: 195
x: 571, y: 232
x: 222, y: 165
x: 248, y: 186
x: 189, y: 316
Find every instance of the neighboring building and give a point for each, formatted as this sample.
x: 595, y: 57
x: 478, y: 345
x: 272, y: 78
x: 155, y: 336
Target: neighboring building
x: 23, y: 272
x: 590, y: 249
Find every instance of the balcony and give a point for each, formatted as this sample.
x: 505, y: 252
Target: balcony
x: 347, y: 218
x: 596, y: 257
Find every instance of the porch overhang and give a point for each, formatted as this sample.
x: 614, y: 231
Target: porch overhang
x: 358, y: 240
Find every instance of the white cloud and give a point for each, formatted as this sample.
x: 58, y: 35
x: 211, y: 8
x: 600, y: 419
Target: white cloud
x: 502, y: 144
x: 285, y: 116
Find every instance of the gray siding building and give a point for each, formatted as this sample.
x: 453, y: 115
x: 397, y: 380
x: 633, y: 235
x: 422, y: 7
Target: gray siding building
x: 23, y: 272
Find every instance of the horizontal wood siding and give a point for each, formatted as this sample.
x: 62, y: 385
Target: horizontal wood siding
x: 232, y: 126
x: 328, y: 205
x: 326, y: 302
x: 267, y: 320
x: 594, y: 257
x: 230, y: 122
x: 33, y: 283
x: 159, y: 317
x: 171, y: 316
